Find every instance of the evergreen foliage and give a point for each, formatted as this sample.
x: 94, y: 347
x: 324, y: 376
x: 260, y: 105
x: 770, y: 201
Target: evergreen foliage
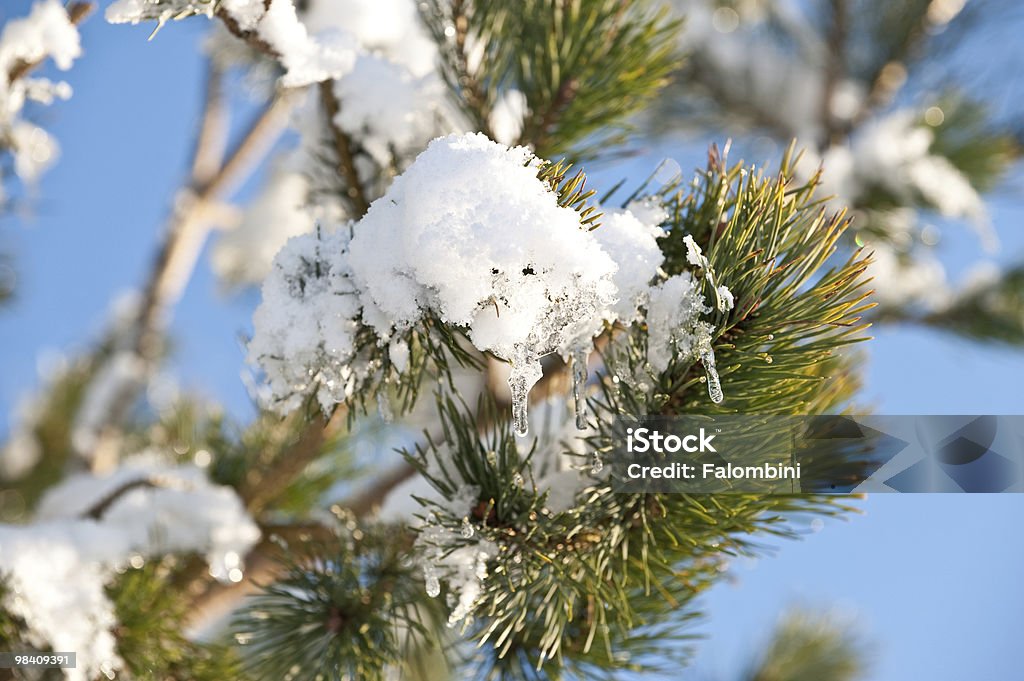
x: 564, y: 581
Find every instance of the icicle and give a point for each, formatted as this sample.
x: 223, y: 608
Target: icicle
x: 384, y: 408
x: 432, y: 582
x: 597, y: 466
x: 579, y: 382
x: 467, y: 529
x: 707, y: 358
x: 526, y: 371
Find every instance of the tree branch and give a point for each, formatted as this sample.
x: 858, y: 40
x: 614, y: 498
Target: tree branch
x: 186, y: 232
x: 473, y: 93
x: 96, y: 511
x: 890, y: 76
x: 833, y: 129
x: 343, y: 148
x: 77, y: 13
x: 220, y: 599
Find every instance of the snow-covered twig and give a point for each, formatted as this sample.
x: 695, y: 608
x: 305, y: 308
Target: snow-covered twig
x: 77, y: 13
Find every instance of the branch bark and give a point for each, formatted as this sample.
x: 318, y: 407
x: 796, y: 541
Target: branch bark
x: 834, y: 129
x: 343, y: 148
x: 186, y: 232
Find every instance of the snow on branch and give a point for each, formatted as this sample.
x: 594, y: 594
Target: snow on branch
x: 89, y: 527
x: 468, y: 235
x: 275, y: 26
x: 48, y: 32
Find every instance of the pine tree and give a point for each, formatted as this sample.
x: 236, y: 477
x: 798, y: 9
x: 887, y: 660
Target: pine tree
x: 454, y: 277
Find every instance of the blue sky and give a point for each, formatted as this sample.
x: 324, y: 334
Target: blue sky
x: 935, y: 581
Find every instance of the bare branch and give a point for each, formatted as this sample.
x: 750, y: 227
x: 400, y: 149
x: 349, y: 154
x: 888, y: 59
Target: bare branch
x: 189, y: 225
x: 96, y: 511
x: 343, y: 148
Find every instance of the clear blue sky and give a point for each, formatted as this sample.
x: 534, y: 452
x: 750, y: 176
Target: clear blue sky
x: 935, y: 580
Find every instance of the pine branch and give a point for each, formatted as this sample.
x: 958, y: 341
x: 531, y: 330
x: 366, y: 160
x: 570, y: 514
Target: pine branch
x: 888, y: 77
x: 808, y: 647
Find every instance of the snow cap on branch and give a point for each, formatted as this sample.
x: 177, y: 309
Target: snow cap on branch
x: 469, y: 235
x: 47, y: 32
x: 305, y: 58
x: 145, y: 508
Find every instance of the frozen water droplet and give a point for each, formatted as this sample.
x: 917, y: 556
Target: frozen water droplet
x: 517, y: 480
x: 668, y: 171
x: 526, y: 371
x: 771, y: 336
x: 432, y: 582
x: 492, y: 458
x: 579, y: 382
x: 597, y: 465
x: 467, y: 529
x: 384, y: 407
x: 768, y: 359
x: 707, y: 358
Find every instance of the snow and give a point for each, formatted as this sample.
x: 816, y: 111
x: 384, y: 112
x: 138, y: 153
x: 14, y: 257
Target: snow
x: 78, y: 616
x: 893, y: 153
x: 182, y: 512
x: 113, y: 381
x: 694, y: 254
x: 388, y: 109
x: 306, y: 60
x: 390, y: 29
x: 675, y: 328
x: 398, y: 353
x: 506, y: 119
x: 46, y: 33
x: 136, y: 11
x: 726, y: 301
x: 304, y: 329
x: 185, y: 512
x: 470, y: 235
x: 903, y: 280
x: 450, y: 558
x: 630, y: 237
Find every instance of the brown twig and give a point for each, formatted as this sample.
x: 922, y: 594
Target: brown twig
x: 96, y: 511
x: 343, y: 148
x: 566, y: 93
x: 833, y: 128
x: 473, y: 92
